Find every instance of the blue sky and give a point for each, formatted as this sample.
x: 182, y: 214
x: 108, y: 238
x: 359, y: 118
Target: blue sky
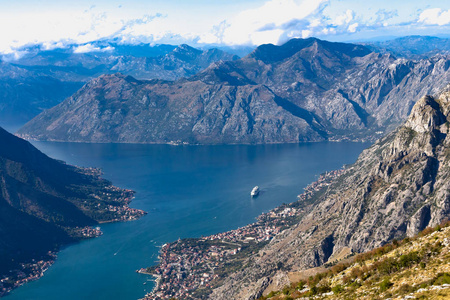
x: 53, y: 23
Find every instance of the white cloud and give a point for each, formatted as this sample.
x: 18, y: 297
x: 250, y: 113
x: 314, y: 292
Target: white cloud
x: 171, y: 21
x: 306, y: 33
x: 53, y: 28
x: 345, y: 18
x: 267, y: 23
x: 91, y: 48
x: 352, y: 28
x: 435, y: 16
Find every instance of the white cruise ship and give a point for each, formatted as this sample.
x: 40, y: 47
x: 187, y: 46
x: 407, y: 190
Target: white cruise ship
x: 255, y: 191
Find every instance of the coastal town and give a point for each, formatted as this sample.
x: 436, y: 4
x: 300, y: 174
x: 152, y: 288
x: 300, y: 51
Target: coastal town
x: 26, y: 273
x: 191, y: 268
x: 111, y: 203
x: 106, y: 203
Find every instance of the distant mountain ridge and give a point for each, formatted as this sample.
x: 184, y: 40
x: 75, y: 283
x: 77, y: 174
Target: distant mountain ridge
x: 304, y: 90
x: 412, y: 47
x: 42, y: 79
x: 180, y: 61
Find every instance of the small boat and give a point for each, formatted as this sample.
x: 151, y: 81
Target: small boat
x: 255, y: 191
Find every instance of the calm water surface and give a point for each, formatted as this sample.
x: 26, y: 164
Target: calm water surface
x: 188, y: 191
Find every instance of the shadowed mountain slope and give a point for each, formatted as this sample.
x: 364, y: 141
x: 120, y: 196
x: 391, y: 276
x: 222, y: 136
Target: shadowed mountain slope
x: 45, y: 203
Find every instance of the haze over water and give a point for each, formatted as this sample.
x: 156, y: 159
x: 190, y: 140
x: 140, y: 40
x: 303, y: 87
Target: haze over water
x: 188, y: 191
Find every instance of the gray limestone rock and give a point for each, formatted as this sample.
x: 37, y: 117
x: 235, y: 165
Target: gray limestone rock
x: 396, y: 188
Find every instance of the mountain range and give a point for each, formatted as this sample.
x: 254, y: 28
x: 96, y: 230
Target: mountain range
x: 412, y: 47
x: 304, y: 90
x: 41, y: 79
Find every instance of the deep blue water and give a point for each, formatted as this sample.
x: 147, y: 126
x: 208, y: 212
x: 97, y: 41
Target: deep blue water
x: 188, y: 191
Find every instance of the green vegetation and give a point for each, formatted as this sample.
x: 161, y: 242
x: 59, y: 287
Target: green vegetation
x: 385, y: 285
x: 394, y: 270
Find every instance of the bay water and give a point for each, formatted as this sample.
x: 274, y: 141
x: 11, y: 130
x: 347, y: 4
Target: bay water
x: 188, y: 191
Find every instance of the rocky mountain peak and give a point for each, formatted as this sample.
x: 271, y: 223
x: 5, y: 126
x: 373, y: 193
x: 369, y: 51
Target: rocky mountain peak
x: 185, y: 53
x: 186, y: 48
x: 111, y: 80
x: 424, y: 132
x: 427, y: 115
x: 271, y: 53
x: 222, y: 72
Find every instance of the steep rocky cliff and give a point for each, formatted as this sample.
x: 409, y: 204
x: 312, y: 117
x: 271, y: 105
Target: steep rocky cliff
x: 304, y: 90
x: 396, y: 188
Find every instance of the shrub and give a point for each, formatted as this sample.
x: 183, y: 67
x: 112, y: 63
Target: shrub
x: 386, y: 266
x: 338, y: 268
x: 426, y: 231
x: 395, y: 243
x: 313, y: 291
x: 441, y: 278
x: 405, y: 289
x: 325, y: 288
x: 356, y: 272
x: 409, y: 259
x: 355, y: 284
x: 346, y: 279
x: 385, y: 285
x: 296, y: 294
x: 271, y: 294
x: 337, y: 289
x: 301, y: 285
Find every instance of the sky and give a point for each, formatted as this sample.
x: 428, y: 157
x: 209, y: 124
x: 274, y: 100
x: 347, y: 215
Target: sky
x: 59, y: 23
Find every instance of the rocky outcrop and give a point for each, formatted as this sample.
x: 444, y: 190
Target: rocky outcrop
x: 304, y: 90
x: 396, y: 188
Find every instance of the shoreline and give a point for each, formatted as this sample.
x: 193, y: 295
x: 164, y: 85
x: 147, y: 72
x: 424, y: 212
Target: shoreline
x: 181, y: 143
x: 157, y: 279
x: 190, y: 264
x: 35, y: 269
